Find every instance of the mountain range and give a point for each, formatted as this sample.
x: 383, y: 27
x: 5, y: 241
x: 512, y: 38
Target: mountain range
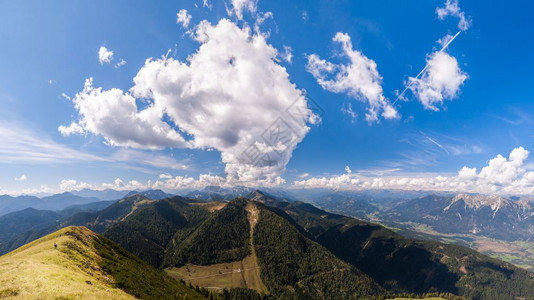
x: 271, y: 246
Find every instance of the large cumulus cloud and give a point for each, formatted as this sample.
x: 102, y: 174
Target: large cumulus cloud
x: 231, y: 95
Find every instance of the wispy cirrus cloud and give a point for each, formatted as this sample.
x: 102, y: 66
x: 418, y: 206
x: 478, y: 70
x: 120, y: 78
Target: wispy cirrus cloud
x: 23, y: 145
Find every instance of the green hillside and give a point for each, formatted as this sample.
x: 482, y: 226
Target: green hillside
x: 147, y: 231
x: 291, y: 266
x: 223, y: 237
x: 84, y: 265
x: 294, y: 266
x: 404, y: 265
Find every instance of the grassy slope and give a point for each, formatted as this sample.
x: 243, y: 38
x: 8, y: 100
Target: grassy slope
x: 37, y: 270
x: 237, y: 274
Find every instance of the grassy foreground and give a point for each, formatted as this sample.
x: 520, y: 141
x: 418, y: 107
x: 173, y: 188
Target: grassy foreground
x: 84, y: 265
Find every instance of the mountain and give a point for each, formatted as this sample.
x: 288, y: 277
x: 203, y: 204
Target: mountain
x: 107, y: 194
x: 96, y: 221
x: 265, y: 245
x: 18, y: 222
x: 147, y: 231
x: 490, y: 216
x: 405, y: 265
x: 282, y: 248
x: 55, y: 202
x: 217, y: 193
x: 10, y: 204
x: 84, y: 265
x: 30, y: 219
x: 101, y: 220
x: 151, y: 194
x: 290, y: 264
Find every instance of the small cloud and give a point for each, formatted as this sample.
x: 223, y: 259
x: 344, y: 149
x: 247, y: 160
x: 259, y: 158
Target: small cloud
x: 445, y: 40
x: 65, y: 96
x: 305, y: 15
x: 348, y: 170
x: 51, y: 81
x: 183, y: 17
x: 441, y: 81
x: 21, y: 178
x: 304, y: 175
x: 121, y: 63
x: 348, y: 111
x: 453, y: 9
x: 105, y: 55
x: 287, y: 54
x: 358, y: 78
x: 165, y: 176
x: 240, y: 6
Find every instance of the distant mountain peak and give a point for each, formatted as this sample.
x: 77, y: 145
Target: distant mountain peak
x: 478, y: 201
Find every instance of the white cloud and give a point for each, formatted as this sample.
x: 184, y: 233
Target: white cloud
x: 114, y: 115
x: 348, y: 170
x: 65, y: 96
x: 467, y: 173
x: 240, y: 6
x: 359, y: 79
x: 503, y: 171
x: 164, y: 182
x: 349, y: 112
x: 440, y: 81
x: 453, y: 9
x: 183, y: 17
x: 68, y: 185
x: 231, y: 95
x: 287, y: 54
x: 105, y: 55
x: 304, y: 175
x: 121, y: 63
x: 444, y: 41
x: 501, y: 176
x: 21, y: 178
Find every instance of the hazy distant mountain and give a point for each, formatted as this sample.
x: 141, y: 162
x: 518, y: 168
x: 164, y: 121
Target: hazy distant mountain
x: 217, y: 193
x: 107, y: 194
x: 151, y: 194
x: 97, y: 221
x: 55, y: 202
x: 10, y: 204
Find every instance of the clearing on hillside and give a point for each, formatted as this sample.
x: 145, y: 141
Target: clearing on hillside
x: 243, y: 273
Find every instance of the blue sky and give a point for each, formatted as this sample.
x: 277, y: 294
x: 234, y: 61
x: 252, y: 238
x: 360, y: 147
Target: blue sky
x: 50, y: 49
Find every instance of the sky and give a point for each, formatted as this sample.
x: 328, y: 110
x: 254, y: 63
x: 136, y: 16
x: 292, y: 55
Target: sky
x: 420, y: 95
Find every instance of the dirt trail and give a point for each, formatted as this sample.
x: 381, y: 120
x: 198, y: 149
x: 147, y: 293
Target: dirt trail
x: 253, y: 215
